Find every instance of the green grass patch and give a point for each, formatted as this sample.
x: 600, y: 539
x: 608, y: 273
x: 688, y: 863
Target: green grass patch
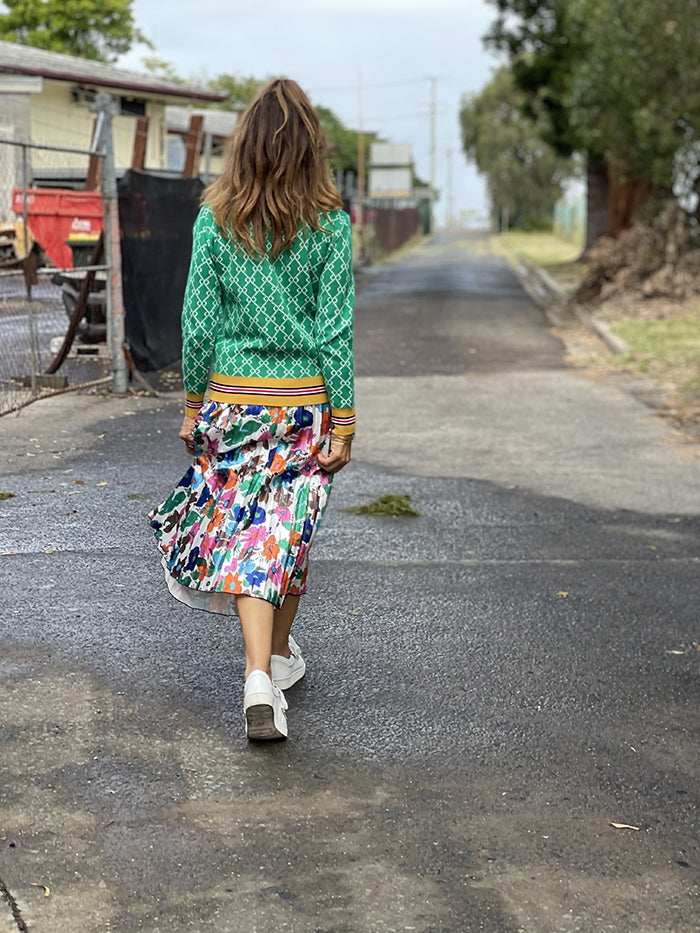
x: 386, y: 504
x: 7, y: 495
x: 667, y: 349
x: 558, y: 257
x: 544, y: 249
x: 566, y: 274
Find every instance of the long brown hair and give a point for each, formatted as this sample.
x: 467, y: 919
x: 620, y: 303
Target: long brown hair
x: 276, y: 174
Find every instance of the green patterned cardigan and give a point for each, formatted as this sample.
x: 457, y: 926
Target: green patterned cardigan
x: 262, y: 331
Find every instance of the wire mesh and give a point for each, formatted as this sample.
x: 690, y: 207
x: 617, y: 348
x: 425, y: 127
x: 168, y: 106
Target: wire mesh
x: 46, y: 239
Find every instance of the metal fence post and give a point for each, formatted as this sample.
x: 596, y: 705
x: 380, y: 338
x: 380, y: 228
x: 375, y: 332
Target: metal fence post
x: 34, y: 356
x: 116, y: 331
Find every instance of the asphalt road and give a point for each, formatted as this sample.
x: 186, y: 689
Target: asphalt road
x: 491, y: 685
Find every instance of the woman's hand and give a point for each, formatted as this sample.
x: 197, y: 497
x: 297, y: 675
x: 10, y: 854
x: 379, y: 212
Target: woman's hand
x: 186, y: 433
x: 337, y: 455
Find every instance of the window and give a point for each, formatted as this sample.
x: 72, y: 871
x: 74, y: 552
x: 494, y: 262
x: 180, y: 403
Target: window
x: 132, y: 107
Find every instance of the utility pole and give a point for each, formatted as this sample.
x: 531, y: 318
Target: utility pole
x: 433, y: 117
x: 116, y: 331
x: 450, y: 206
x: 360, y: 168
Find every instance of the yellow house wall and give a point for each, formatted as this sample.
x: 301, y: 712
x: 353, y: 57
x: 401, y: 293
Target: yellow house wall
x: 216, y: 164
x: 58, y: 120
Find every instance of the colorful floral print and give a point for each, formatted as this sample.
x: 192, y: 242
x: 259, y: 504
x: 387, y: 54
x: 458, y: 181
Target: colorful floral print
x: 242, y: 519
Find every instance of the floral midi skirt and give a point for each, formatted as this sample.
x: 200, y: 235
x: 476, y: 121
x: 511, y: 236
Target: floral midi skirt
x: 242, y: 519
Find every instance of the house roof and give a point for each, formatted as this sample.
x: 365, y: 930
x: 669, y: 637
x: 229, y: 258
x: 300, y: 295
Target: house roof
x: 25, y: 60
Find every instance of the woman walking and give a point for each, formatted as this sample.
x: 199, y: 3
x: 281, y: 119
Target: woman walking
x: 267, y: 338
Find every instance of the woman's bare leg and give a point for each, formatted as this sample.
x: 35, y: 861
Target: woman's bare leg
x: 257, y: 619
x: 282, y: 624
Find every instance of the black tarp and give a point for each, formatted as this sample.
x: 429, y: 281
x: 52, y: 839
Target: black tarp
x: 156, y: 214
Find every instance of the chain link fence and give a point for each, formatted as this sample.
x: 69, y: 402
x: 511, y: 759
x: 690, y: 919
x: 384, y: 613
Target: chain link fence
x: 52, y: 276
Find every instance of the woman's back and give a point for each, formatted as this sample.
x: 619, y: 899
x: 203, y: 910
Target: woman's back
x: 269, y: 301
x: 270, y: 318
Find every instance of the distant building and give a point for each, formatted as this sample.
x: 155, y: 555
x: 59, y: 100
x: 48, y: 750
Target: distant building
x: 390, y: 171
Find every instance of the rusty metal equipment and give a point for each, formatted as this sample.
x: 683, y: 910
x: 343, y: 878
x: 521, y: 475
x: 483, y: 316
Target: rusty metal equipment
x: 16, y: 243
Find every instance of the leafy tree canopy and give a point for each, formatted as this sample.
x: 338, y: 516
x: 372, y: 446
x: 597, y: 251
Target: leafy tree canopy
x: 636, y: 94
x: 544, y: 43
x: 524, y: 175
x: 240, y: 90
x: 342, y: 142
x: 97, y: 29
x: 619, y: 78
x: 161, y: 68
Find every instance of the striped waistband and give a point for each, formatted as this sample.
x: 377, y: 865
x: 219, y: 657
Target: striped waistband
x: 237, y: 390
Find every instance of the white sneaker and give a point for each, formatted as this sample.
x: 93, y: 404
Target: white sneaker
x: 264, y: 705
x: 286, y: 671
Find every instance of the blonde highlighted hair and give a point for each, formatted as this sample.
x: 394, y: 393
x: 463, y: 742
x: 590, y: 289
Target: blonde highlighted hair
x: 276, y: 176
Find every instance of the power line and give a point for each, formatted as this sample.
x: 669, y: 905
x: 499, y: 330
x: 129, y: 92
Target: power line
x: 371, y: 87
x: 417, y: 114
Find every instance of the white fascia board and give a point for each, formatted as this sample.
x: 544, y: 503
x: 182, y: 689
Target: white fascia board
x: 19, y: 84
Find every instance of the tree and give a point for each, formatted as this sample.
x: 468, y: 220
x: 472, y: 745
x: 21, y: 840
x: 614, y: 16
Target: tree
x: 544, y: 43
x: 161, y: 68
x: 637, y: 94
x: 97, y: 29
x: 342, y: 142
x: 619, y: 79
x: 240, y: 90
x: 524, y: 174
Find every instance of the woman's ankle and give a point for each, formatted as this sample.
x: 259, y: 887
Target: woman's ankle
x: 282, y: 650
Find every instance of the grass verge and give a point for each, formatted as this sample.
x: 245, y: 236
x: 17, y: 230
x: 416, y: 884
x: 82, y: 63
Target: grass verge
x: 544, y: 249
x: 663, y: 336
x: 663, y: 339
x: 558, y: 257
x: 667, y: 350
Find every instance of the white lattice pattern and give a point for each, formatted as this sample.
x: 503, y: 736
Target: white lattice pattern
x: 285, y: 318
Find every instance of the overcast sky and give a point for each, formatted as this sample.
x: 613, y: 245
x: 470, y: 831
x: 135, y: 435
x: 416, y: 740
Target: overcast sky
x: 331, y: 47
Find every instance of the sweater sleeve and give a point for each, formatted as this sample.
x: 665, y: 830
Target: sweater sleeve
x: 334, y: 326
x: 201, y: 315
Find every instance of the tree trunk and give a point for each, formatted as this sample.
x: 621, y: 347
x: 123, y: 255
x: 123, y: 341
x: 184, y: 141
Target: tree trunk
x: 626, y: 199
x: 597, y: 201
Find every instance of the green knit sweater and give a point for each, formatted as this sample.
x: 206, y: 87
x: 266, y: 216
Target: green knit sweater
x: 271, y: 331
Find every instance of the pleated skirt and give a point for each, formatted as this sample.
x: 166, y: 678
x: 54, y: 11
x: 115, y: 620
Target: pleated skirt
x: 242, y: 519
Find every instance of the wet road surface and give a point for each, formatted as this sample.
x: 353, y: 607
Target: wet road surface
x: 490, y: 685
